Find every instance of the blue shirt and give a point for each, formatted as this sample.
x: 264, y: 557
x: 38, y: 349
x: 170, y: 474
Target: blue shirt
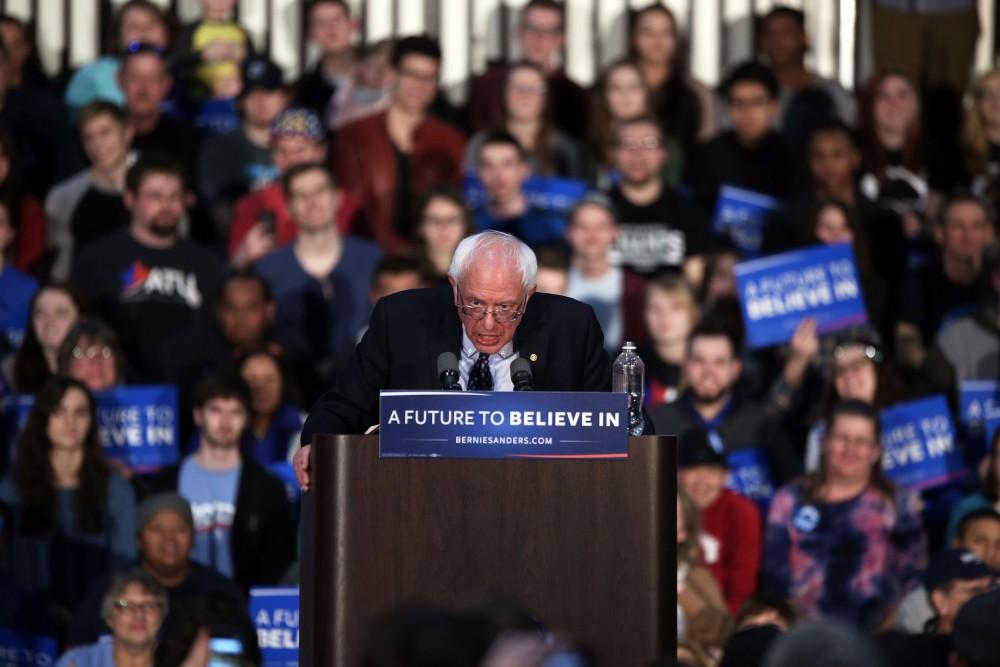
x: 536, y: 226
x: 16, y: 291
x: 101, y: 654
x: 329, y: 313
x: 212, y: 494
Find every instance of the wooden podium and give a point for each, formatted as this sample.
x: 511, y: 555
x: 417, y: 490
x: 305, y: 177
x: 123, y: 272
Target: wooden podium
x: 589, y: 546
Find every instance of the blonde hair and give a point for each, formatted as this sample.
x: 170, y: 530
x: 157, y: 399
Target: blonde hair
x: 677, y: 288
x: 974, y: 142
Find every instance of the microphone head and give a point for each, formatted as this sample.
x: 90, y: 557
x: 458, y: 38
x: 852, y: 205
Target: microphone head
x: 520, y: 365
x: 447, y: 361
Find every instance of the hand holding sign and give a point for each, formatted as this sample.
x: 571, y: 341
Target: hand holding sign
x: 778, y: 292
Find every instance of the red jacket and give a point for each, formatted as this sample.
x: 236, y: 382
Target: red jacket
x: 272, y: 198
x: 364, y: 163
x: 734, y: 524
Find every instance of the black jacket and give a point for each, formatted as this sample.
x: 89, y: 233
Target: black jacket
x: 263, y: 536
x: 560, y: 337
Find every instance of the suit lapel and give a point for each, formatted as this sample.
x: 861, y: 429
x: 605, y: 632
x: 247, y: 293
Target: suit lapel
x: 531, y: 342
x: 445, y: 336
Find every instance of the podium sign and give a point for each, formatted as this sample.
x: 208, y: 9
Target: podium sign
x: 501, y: 425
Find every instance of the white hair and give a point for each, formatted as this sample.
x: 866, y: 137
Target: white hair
x: 499, y: 245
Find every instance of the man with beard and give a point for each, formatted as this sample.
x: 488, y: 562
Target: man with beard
x: 758, y: 453
x: 146, y: 281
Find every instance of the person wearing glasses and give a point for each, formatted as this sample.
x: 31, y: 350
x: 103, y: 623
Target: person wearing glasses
x: 165, y: 538
x: 320, y: 282
x: 488, y: 315
x: 92, y: 355
x: 134, y: 607
x: 659, y: 230
x: 844, y: 541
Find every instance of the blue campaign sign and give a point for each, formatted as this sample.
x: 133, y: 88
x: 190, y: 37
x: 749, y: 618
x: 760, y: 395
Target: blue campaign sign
x: 980, y: 406
x: 920, y: 450
x: 741, y: 215
x: 138, y: 425
x: 504, y: 424
x: 980, y: 400
x: 551, y: 194
x: 22, y: 650
x: 275, y: 614
x: 778, y: 292
x: 749, y: 474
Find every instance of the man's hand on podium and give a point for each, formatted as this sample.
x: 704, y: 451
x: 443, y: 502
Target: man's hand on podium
x: 300, y: 462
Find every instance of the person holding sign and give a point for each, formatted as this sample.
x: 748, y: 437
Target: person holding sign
x: 758, y: 451
x: 490, y: 315
x: 73, y: 518
x: 844, y: 541
x: 751, y: 156
x: 951, y: 285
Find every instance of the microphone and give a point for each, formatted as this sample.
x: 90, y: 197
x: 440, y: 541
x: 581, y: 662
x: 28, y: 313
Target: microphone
x: 448, y: 371
x: 520, y: 375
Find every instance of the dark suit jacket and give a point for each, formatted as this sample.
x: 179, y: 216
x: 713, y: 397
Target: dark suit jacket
x: 410, y: 329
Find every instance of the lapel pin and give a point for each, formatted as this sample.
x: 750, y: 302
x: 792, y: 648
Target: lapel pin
x: 533, y: 357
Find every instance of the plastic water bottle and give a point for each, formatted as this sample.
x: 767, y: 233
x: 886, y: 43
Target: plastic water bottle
x: 628, y: 375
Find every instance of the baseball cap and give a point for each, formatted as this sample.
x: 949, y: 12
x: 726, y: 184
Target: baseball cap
x: 951, y: 564
x: 975, y: 635
x: 168, y: 500
x: 259, y: 73
x: 699, y: 447
x: 298, y: 122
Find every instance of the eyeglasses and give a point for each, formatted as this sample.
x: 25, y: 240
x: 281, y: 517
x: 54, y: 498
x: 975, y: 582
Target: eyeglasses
x: 92, y: 352
x: 862, y: 443
x: 644, y: 144
x: 503, y: 313
x: 123, y: 606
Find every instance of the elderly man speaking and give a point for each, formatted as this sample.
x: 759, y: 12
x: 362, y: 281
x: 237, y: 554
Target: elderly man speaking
x: 489, y: 316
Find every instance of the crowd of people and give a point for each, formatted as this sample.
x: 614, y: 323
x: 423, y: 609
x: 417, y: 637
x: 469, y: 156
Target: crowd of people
x: 178, y: 212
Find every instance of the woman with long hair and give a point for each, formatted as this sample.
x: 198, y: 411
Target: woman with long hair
x: 275, y: 421
x: 686, y: 109
x: 845, y: 541
x: 443, y: 220
x: 53, y: 311
x: 671, y: 312
x: 527, y: 117
x: 619, y: 94
x: 73, y: 519
x: 905, y: 171
x: 981, y: 135
x: 856, y: 370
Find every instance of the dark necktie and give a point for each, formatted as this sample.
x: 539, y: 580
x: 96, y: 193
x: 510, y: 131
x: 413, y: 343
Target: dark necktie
x: 480, y: 376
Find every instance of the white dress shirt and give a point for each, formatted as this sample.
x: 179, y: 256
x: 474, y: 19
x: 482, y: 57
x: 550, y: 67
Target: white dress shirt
x: 499, y: 364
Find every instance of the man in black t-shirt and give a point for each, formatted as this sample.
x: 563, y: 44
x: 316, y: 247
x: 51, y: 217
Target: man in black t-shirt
x: 659, y: 230
x: 146, y: 281
x: 951, y: 285
x: 751, y: 155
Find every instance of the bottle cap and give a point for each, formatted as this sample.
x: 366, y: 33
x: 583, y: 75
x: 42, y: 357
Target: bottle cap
x: 629, y: 345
